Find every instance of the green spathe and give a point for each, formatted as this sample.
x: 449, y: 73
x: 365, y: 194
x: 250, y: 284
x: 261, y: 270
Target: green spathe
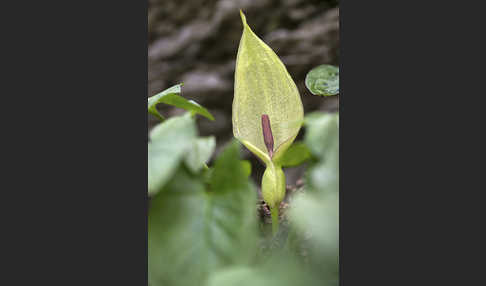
x: 273, y: 185
x: 264, y: 86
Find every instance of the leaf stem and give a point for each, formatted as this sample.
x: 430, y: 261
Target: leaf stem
x: 274, y: 214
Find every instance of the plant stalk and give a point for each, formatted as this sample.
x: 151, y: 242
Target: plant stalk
x: 274, y: 214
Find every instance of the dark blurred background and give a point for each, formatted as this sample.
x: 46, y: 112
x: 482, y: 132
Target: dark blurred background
x: 196, y: 41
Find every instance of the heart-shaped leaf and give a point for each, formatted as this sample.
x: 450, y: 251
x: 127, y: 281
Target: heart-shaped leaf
x: 195, y: 228
x: 200, y: 153
x: 169, y: 143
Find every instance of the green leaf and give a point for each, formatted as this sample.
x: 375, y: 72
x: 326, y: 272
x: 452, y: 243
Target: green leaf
x: 170, y: 96
x: 323, y: 80
x: 195, y: 230
x: 322, y: 132
x: 229, y: 166
x: 322, y: 138
x: 279, y: 270
x: 169, y: 143
x: 321, y: 196
x: 263, y: 86
x: 297, y: 154
x: 200, y: 153
x: 235, y: 276
x: 317, y: 215
x: 246, y: 165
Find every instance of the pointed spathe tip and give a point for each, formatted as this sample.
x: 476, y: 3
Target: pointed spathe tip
x: 243, y: 18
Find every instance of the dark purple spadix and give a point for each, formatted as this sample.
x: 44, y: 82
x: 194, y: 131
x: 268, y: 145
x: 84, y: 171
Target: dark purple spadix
x: 267, y: 134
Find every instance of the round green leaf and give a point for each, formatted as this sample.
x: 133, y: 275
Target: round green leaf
x: 323, y: 80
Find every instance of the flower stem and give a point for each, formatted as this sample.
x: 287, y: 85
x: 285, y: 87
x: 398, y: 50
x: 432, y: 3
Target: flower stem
x: 274, y: 213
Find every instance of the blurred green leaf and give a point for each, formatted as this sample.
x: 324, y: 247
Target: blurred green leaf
x: 322, y: 133
x: 228, y: 170
x: 234, y: 276
x: 321, y: 197
x: 317, y: 216
x: 323, y: 80
x: 194, y: 230
x: 169, y: 143
x: 200, y: 153
x: 297, y: 154
x: 246, y: 165
x: 281, y: 269
x: 171, y: 96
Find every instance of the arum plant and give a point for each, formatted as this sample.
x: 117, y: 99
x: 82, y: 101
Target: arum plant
x: 267, y: 112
